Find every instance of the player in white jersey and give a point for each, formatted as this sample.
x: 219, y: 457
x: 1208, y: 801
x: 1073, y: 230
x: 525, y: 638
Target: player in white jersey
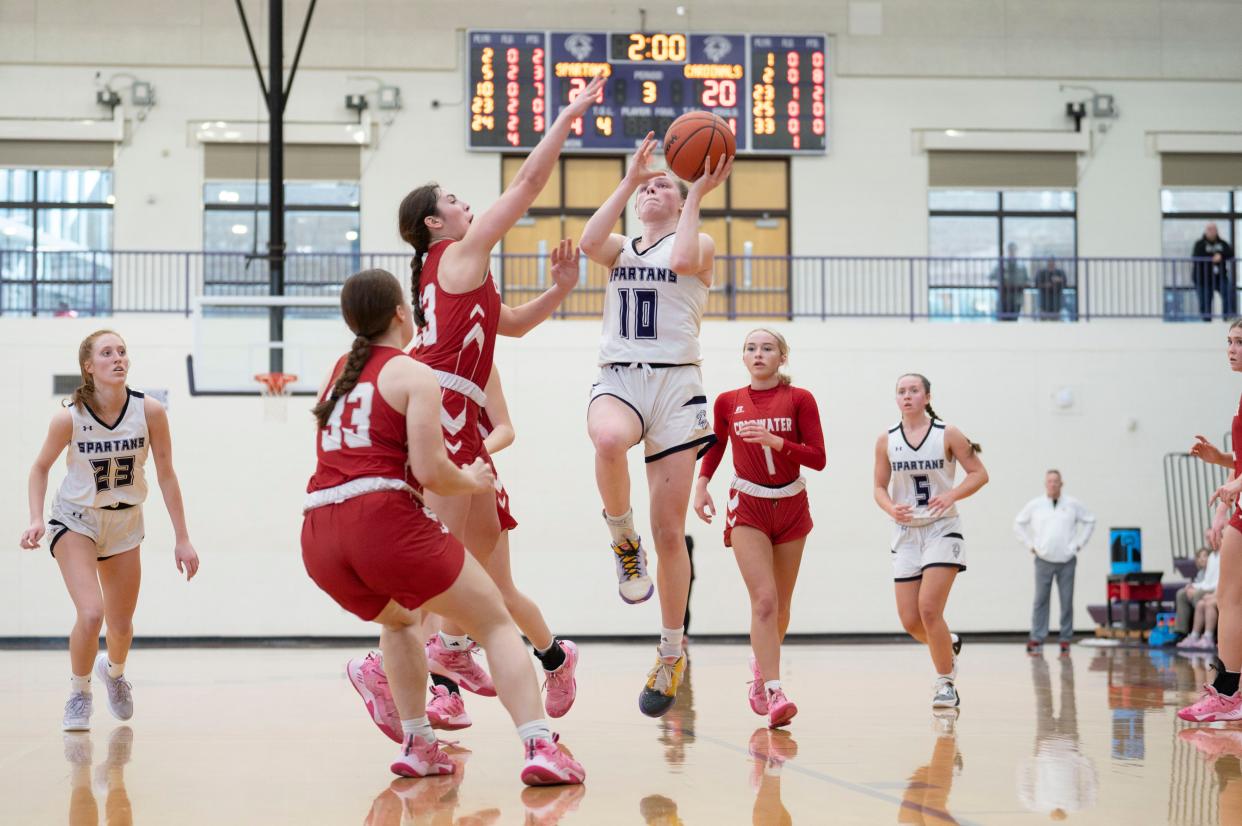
x: 96, y: 523
x: 650, y: 388
x: 915, y: 464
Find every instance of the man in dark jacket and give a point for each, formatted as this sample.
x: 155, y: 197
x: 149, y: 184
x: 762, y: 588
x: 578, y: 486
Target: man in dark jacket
x: 1011, y: 278
x: 1213, y: 272
x: 1051, y: 283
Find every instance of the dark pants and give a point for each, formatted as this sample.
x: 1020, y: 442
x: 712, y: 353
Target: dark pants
x: 1051, y: 302
x: 1011, y: 301
x: 1045, y: 573
x: 1207, y: 285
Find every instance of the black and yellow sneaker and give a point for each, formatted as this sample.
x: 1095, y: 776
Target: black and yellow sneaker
x: 633, y: 583
x: 660, y: 692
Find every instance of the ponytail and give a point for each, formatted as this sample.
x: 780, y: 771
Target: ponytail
x: 412, y: 217
x: 369, y: 303
x: 359, y: 352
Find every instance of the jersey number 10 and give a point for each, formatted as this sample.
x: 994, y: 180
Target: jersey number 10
x: 638, y: 313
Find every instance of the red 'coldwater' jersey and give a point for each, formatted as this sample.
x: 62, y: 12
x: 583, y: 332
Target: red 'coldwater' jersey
x: 365, y: 436
x: 788, y: 412
x: 460, y: 336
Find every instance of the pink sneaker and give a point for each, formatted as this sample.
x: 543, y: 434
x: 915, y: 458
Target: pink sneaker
x: 561, y: 685
x: 758, y: 699
x: 1213, y: 743
x: 422, y: 759
x: 1213, y: 707
x: 550, y: 764
x: 447, y: 710
x: 547, y: 805
x: 366, y: 675
x: 1191, y: 641
x: 458, y: 665
x: 780, y: 709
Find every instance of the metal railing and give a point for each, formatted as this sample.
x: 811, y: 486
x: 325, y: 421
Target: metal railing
x: 948, y: 289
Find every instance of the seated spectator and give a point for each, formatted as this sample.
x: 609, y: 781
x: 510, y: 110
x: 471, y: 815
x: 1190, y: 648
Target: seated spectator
x: 1196, y: 603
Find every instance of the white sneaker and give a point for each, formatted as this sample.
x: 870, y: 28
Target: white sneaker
x: 120, y: 692
x: 945, y: 695
x: 633, y: 583
x: 78, y: 712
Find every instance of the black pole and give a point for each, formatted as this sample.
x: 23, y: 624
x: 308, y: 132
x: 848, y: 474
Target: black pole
x: 297, y: 55
x: 254, y: 56
x: 276, y: 179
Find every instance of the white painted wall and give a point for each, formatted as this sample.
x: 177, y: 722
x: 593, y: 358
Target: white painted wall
x: 243, y: 477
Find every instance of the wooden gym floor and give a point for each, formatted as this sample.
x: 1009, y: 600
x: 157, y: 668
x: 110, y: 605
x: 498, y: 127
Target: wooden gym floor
x: 267, y: 736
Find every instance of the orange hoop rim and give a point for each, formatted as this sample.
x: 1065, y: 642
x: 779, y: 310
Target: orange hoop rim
x: 275, y: 384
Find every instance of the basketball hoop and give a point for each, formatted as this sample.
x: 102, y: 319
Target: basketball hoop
x: 275, y: 388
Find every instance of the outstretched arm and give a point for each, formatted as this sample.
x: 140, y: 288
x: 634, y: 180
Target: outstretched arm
x: 520, y: 320
x: 161, y: 448
x: 472, y: 253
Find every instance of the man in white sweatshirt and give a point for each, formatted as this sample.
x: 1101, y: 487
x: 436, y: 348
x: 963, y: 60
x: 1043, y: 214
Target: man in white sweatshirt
x: 1055, y: 528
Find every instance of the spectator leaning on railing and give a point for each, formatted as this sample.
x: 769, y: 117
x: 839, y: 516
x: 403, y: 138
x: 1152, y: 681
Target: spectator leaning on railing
x: 1050, y: 280
x: 1055, y: 528
x: 1213, y: 272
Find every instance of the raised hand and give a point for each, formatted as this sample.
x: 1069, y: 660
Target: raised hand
x: 712, y: 178
x: 565, y: 264
x: 640, y: 170
x: 759, y: 435
x: 587, y: 98
x: 1206, y: 451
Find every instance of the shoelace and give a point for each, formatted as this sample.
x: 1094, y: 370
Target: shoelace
x: 123, y: 690
x: 663, y: 673
x: 77, y: 705
x: 631, y: 562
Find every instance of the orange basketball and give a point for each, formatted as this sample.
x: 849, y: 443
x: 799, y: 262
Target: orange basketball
x: 692, y: 139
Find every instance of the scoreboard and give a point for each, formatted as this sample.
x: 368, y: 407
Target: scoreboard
x: 772, y: 90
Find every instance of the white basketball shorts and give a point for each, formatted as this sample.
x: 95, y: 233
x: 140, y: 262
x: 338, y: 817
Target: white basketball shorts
x: 669, y: 402
x: 938, y: 544
x: 112, y: 531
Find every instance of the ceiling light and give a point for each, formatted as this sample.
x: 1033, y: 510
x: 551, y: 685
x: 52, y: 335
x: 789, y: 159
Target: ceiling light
x: 228, y: 196
x: 352, y: 235
x: 240, y: 229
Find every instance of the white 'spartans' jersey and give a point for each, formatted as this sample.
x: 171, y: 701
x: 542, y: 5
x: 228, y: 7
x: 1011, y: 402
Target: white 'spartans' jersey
x: 651, y: 314
x: 920, y: 472
x: 106, y: 463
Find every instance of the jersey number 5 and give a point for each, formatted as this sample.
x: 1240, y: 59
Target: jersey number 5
x: 922, y: 491
x: 638, y: 313
x: 358, y: 432
x: 113, y: 472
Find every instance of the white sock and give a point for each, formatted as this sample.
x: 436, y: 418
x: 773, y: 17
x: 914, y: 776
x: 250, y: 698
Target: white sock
x: 419, y: 727
x: 450, y: 641
x: 1207, y: 635
x: 1194, y: 635
x: 771, y: 685
x: 115, y: 670
x: 670, y: 641
x: 948, y: 678
x: 621, y: 527
x: 80, y: 685
x: 534, y: 730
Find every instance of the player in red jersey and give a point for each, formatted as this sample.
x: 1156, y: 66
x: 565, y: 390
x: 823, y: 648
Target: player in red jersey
x: 459, y: 312
x: 368, y: 541
x: 775, y: 431
x: 1221, y: 701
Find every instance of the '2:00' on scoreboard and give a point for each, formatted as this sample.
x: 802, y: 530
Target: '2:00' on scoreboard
x: 519, y: 81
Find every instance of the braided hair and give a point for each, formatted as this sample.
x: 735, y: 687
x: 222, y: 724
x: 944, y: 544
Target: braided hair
x: 84, y: 393
x: 412, y: 217
x: 369, y: 300
x: 975, y: 447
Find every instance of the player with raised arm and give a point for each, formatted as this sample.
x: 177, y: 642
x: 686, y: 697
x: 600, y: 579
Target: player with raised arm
x: 775, y: 431
x: 380, y: 553
x: 915, y: 464
x: 459, y: 312
x: 650, y: 387
x: 96, y: 525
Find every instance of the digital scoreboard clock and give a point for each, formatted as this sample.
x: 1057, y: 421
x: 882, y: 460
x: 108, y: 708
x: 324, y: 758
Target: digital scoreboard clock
x: 770, y: 89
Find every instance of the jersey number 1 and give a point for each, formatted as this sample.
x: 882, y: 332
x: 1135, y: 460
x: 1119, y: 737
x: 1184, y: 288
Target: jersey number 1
x: 638, y: 313
x: 358, y: 432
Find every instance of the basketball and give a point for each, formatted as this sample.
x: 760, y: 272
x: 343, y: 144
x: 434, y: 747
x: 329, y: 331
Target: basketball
x: 692, y: 139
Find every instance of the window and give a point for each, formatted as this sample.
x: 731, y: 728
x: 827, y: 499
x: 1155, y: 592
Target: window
x: 56, y: 241
x: 993, y: 253
x: 1185, y: 213
x: 321, y: 236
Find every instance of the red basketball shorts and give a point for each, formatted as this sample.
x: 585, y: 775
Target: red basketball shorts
x: 1236, y: 520
x: 781, y: 520
x: 378, y: 547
